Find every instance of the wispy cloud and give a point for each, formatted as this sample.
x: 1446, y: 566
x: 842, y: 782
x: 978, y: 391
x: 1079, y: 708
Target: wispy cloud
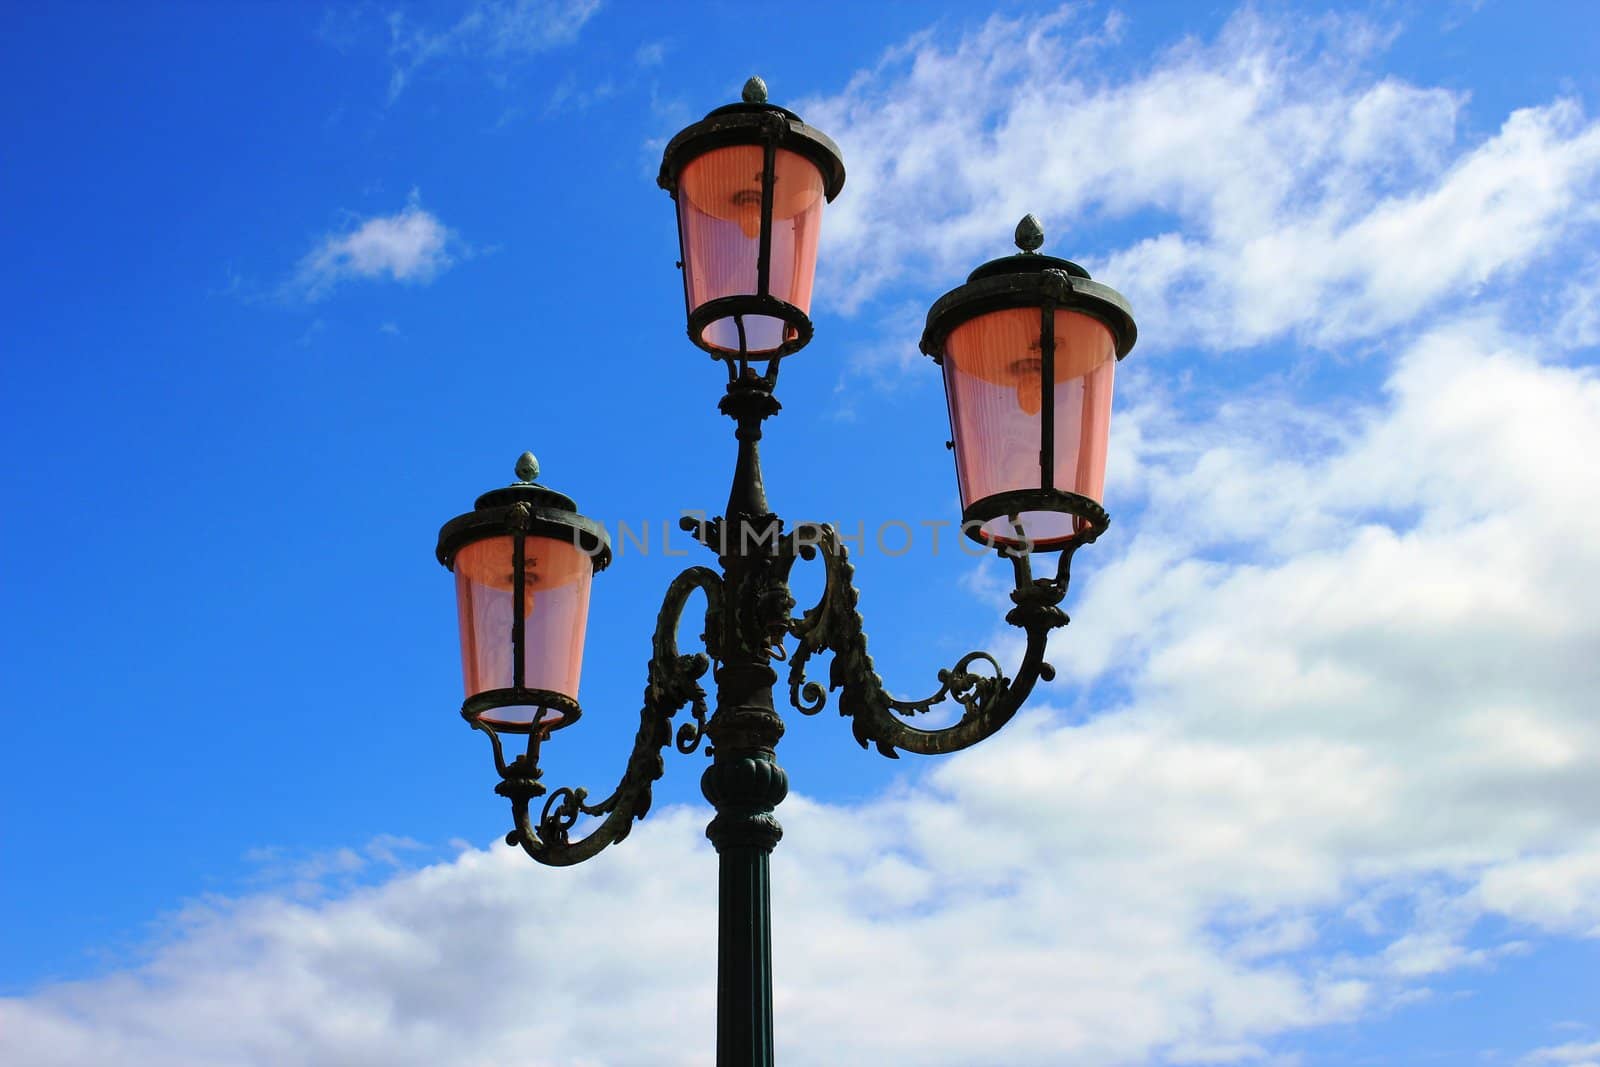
x: 572, y: 94
x: 411, y: 245
x: 650, y: 54
x: 490, y: 29
x: 1284, y: 187
x: 307, y: 876
x: 1577, y: 1054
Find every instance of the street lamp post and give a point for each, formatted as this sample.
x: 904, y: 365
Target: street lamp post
x: 1028, y: 347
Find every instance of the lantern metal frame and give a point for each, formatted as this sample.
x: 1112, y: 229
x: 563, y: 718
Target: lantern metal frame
x: 522, y: 510
x: 1031, y: 280
x: 750, y: 624
x: 754, y: 123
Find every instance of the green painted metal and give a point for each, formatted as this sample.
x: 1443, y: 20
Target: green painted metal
x: 749, y: 623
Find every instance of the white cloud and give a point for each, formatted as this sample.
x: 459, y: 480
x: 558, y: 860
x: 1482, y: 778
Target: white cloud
x: 484, y: 959
x: 411, y: 245
x: 1391, y: 722
x: 491, y: 29
x: 1559, y: 892
x: 1575, y: 1054
x: 1285, y: 187
x: 1353, y: 647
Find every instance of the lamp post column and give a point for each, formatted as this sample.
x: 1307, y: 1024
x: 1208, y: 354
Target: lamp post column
x: 744, y: 782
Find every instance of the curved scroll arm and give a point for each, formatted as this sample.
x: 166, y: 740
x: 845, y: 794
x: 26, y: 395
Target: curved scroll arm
x: 988, y: 698
x: 673, y: 682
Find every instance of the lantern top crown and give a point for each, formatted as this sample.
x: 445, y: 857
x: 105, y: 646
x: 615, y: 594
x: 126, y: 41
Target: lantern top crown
x: 526, y: 489
x: 1028, y: 278
x: 1029, y: 237
x: 754, y: 120
x: 528, y: 507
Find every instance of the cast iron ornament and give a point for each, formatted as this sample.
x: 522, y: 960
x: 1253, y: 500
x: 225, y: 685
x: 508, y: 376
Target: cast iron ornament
x: 1030, y: 233
x: 749, y: 619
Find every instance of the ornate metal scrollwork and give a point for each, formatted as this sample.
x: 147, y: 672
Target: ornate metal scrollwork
x: 972, y: 691
x: 674, y: 681
x: 691, y: 733
x: 988, y: 700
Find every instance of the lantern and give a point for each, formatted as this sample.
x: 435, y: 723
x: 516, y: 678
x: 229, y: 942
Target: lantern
x: 750, y: 181
x: 1029, y: 347
x: 523, y: 560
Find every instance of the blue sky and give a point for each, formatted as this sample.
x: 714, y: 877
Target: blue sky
x: 289, y: 285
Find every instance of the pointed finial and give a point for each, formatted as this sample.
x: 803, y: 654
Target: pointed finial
x: 527, y: 467
x: 1030, y: 233
x: 755, y: 91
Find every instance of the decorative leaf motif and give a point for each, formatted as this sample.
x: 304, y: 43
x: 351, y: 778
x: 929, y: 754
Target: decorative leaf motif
x: 988, y: 698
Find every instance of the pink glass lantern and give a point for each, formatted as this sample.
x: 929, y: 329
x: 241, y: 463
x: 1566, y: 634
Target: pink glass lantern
x: 523, y: 560
x: 750, y: 181
x: 1029, y: 348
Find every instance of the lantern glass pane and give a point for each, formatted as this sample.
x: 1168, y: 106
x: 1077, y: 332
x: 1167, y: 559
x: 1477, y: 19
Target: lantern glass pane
x: 719, y: 214
x: 1086, y: 363
x: 993, y: 366
x: 556, y: 604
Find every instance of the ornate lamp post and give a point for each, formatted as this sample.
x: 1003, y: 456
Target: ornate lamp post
x: 1028, y: 348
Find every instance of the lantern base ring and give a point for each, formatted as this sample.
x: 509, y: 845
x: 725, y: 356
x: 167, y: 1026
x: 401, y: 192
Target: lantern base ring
x: 1093, y: 519
x: 750, y: 305
x: 561, y: 709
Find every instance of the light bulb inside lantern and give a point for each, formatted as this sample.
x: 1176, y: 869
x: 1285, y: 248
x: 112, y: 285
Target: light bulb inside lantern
x: 1027, y: 373
x: 532, y: 582
x: 747, y: 211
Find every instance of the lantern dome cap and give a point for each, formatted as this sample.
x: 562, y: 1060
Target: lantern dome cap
x: 753, y: 121
x: 1029, y: 238
x: 1029, y: 279
x: 528, y: 506
x: 525, y: 488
